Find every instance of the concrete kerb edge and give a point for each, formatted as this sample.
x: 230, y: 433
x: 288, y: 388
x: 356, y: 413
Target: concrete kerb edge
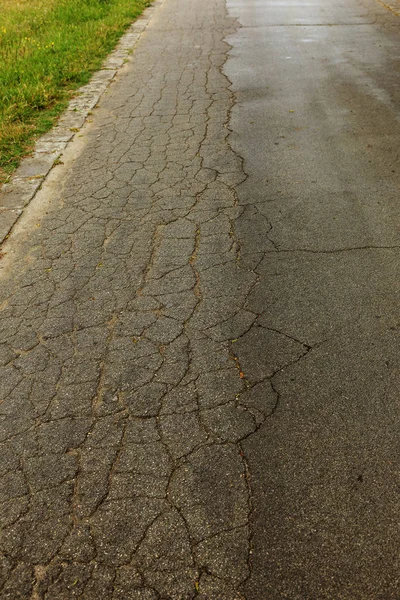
x: 17, y: 193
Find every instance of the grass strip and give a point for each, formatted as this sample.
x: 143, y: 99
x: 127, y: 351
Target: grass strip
x: 48, y: 49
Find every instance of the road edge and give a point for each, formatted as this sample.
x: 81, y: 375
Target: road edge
x: 33, y: 171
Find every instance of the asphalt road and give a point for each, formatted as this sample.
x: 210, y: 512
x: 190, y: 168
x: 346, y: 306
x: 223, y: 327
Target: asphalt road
x: 317, y: 123
x: 200, y: 320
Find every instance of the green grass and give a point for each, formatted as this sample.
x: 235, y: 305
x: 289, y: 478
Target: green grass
x: 49, y: 48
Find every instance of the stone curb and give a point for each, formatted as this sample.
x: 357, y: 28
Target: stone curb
x: 16, y: 194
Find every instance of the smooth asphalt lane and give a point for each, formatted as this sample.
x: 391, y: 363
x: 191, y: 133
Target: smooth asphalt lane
x: 316, y: 121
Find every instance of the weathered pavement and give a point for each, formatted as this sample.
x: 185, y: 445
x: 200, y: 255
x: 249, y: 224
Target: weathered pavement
x: 200, y: 321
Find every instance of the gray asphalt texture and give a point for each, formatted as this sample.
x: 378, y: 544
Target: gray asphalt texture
x: 200, y: 322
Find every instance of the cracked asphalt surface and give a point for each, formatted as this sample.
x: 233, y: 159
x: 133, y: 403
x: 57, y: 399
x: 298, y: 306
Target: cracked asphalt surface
x: 200, y: 321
